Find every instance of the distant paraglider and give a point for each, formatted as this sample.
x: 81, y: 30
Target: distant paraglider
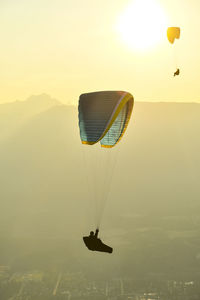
x: 173, y: 33
x: 177, y: 72
x: 103, y: 118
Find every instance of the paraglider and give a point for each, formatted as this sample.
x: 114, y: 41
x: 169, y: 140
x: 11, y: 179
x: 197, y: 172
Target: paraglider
x: 103, y: 119
x: 177, y: 72
x: 93, y: 243
x: 173, y: 33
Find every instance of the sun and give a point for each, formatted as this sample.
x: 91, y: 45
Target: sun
x: 142, y: 25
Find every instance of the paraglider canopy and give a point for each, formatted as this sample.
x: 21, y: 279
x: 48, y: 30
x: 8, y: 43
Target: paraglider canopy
x: 103, y: 120
x: 104, y: 117
x: 173, y: 33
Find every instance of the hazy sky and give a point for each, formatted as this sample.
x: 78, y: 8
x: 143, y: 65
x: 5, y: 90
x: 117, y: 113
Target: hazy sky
x: 67, y: 47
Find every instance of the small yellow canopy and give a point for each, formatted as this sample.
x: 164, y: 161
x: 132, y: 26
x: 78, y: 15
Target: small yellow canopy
x: 173, y: 33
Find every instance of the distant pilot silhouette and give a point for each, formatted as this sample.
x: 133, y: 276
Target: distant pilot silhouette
x: 177, y: 72
x: 93, y: 243
x: 91, y: 234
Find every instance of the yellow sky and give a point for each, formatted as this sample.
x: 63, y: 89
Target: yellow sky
x: 67, y: 47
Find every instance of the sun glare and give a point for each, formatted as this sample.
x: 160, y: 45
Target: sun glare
x: 142, y: 25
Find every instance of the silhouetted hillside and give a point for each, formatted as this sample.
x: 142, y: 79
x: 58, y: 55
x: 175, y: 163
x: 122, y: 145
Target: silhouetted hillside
x: 14, y: 114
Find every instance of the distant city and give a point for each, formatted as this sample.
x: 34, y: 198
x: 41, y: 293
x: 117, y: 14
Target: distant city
x: 43, y: 285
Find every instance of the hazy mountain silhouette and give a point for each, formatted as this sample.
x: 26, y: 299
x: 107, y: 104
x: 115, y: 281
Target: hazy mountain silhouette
x: 153, y: 208
x: 14, y: 114
x: 37, y: 155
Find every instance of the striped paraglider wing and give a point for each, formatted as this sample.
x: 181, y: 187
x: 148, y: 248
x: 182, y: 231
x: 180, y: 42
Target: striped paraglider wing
x: 104, y: 117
